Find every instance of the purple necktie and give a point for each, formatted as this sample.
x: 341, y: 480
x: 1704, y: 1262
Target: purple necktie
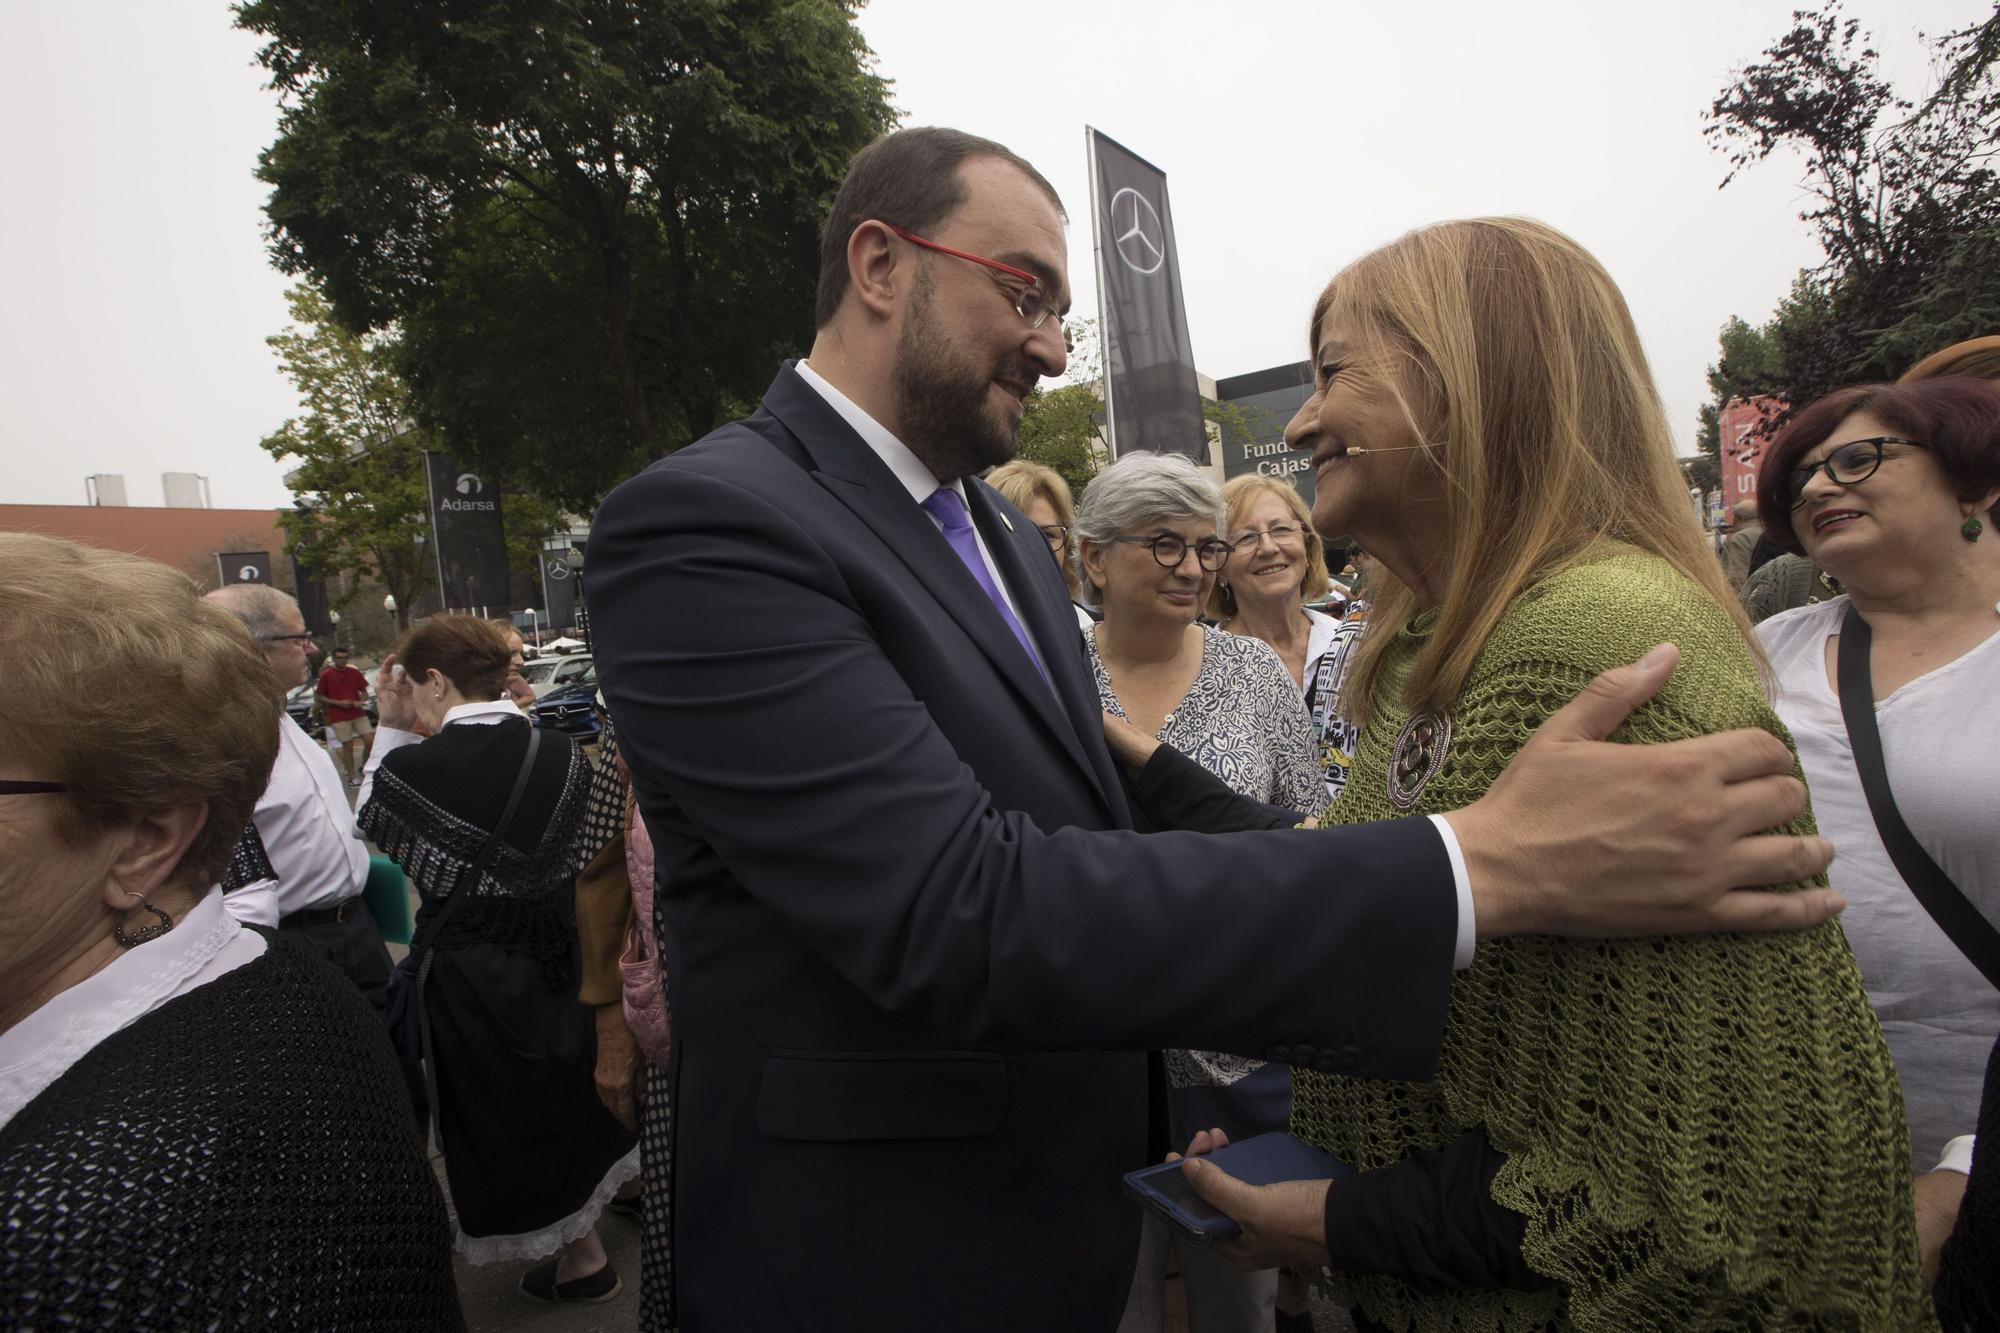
x: 948, y: 509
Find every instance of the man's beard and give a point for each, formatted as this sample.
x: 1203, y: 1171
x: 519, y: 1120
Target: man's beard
x: 944, y: 408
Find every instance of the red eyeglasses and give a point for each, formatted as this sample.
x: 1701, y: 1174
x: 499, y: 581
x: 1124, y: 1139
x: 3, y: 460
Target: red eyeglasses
x: 1031, y: 302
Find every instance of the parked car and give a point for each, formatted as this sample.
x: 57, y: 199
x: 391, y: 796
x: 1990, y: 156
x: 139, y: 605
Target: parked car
x: 571, y: 707
x: 550, y: 673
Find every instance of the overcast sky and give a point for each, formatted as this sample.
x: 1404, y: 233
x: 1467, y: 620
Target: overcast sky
x: 1294, y: 137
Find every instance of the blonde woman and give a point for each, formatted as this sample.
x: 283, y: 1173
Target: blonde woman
x: 1277, y: 564
x: 1654, y: 1133
x: 1042, y: 494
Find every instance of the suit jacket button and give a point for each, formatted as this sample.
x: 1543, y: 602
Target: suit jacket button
x: 1303, y: 1055
x: 1281, y: 1054
x: 1348, y: 1057
x: 1325, y: 1063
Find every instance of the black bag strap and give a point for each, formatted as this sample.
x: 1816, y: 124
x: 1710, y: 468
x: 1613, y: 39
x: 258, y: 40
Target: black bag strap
x: 1963, y: 923
x: 422, y: 943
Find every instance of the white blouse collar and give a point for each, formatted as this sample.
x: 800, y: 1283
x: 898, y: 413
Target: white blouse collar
x: 40, y: 1048
x: 483, y: 713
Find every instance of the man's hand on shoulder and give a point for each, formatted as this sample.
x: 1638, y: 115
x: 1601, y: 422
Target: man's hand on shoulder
x: 1583, y: 837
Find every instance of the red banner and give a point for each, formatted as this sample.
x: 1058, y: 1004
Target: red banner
x: 1744, y: 434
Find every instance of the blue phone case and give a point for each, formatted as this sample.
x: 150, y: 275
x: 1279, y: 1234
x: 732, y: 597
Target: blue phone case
x: 1263, y: 1160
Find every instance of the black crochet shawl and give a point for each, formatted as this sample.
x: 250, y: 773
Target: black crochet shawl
x: 243, y: 1157
x: 431, y: 809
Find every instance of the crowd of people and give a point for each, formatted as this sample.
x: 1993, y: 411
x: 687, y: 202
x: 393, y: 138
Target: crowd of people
x: 954, y: 846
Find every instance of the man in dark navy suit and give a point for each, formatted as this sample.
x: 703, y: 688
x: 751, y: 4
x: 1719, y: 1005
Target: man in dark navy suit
x: 916, y: 949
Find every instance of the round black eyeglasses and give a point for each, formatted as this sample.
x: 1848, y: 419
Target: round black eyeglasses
x: 1170, y: 550
x: 1853, y: 462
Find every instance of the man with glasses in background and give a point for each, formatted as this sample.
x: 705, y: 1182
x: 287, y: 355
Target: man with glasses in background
x: 301, y: 865
x: 917, y: 954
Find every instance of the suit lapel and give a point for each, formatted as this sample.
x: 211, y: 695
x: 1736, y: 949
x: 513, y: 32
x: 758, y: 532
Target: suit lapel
x: 1049, y: 617
x: 849, y: 470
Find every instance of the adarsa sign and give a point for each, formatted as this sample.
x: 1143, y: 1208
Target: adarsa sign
x: 466, y: 506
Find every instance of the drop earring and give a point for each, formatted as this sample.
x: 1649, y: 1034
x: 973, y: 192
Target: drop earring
x: 140, y: 936
x: 1971, y: 528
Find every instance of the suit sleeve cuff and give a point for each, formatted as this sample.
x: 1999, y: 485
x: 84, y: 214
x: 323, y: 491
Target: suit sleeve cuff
x: 1461, y: 883
x: 1957, y: 1156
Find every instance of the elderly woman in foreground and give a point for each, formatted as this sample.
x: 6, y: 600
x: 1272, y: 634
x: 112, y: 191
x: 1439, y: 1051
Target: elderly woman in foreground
x: 200, y: 1126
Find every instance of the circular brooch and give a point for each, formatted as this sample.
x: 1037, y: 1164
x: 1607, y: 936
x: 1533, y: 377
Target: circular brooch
x: 1419, y: 754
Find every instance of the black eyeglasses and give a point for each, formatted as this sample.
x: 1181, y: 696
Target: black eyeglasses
x: 1055, y: 534
x: 1855, y: 461
x: 1170, y: 549
x: 286, y: 638
x: 9, y: 787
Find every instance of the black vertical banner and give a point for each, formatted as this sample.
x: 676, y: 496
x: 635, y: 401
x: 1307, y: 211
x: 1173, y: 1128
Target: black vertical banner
x: 558, y: 589
x: 466, y: 536
x: 310, y: 589
x: 1153, y: 401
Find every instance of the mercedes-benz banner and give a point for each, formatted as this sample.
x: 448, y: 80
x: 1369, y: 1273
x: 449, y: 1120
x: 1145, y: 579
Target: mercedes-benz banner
x: 1153, y: 401
x: 558, y: 589
x: 465, y: 525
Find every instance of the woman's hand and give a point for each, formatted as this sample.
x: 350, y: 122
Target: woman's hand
x: 1284, y: 1225
x: 1130, y: 746
x: 395, y: 697
x: 617, y: 1071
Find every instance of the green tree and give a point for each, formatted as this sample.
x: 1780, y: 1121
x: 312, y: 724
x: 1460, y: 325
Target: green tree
x: 359, y: 480
x: 593, y: 223
x: 1903, y: 200
x: 1746, y: 369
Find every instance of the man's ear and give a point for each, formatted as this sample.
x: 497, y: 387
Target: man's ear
x: 152, y: 850
x: 876, y: 270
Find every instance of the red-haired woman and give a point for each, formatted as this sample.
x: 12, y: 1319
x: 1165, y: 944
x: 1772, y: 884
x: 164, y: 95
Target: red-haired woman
x: 1894, y: 491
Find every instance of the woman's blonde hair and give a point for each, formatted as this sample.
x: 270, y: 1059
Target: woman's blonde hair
x: 138, y: 696
x: 1022, y: 483
x: 1545, y: 426
x: 1239, y: 494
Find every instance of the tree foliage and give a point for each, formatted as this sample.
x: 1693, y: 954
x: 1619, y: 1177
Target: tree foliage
x: 594, y: 223
x: 1903, y: 201
x: 359, y: 479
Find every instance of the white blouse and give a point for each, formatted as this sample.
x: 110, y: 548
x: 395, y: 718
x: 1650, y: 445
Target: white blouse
x: 1939, y: 733
x: 203, y: 945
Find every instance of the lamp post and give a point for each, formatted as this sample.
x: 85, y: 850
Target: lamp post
x: 334, y: 618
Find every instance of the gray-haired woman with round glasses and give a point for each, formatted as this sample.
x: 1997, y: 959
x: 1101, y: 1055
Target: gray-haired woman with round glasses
x: 1149, y: 547
x: 1894, y: 491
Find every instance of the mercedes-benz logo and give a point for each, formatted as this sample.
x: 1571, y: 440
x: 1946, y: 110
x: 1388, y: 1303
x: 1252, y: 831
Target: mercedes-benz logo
x: 1136, y: 231
x: 558, y: 570
x: 470, y: 484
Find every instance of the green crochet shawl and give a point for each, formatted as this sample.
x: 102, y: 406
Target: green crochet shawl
x: 1703, y: 1132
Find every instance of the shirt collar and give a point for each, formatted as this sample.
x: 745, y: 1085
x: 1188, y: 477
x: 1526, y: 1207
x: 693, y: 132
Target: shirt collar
x: 917, y: 479
x: 41, y: 1047
x: 497, y: 708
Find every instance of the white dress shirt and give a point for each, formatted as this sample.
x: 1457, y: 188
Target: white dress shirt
x: 308, y: 834
x: 920, y: 483
x: 38, y: 1050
